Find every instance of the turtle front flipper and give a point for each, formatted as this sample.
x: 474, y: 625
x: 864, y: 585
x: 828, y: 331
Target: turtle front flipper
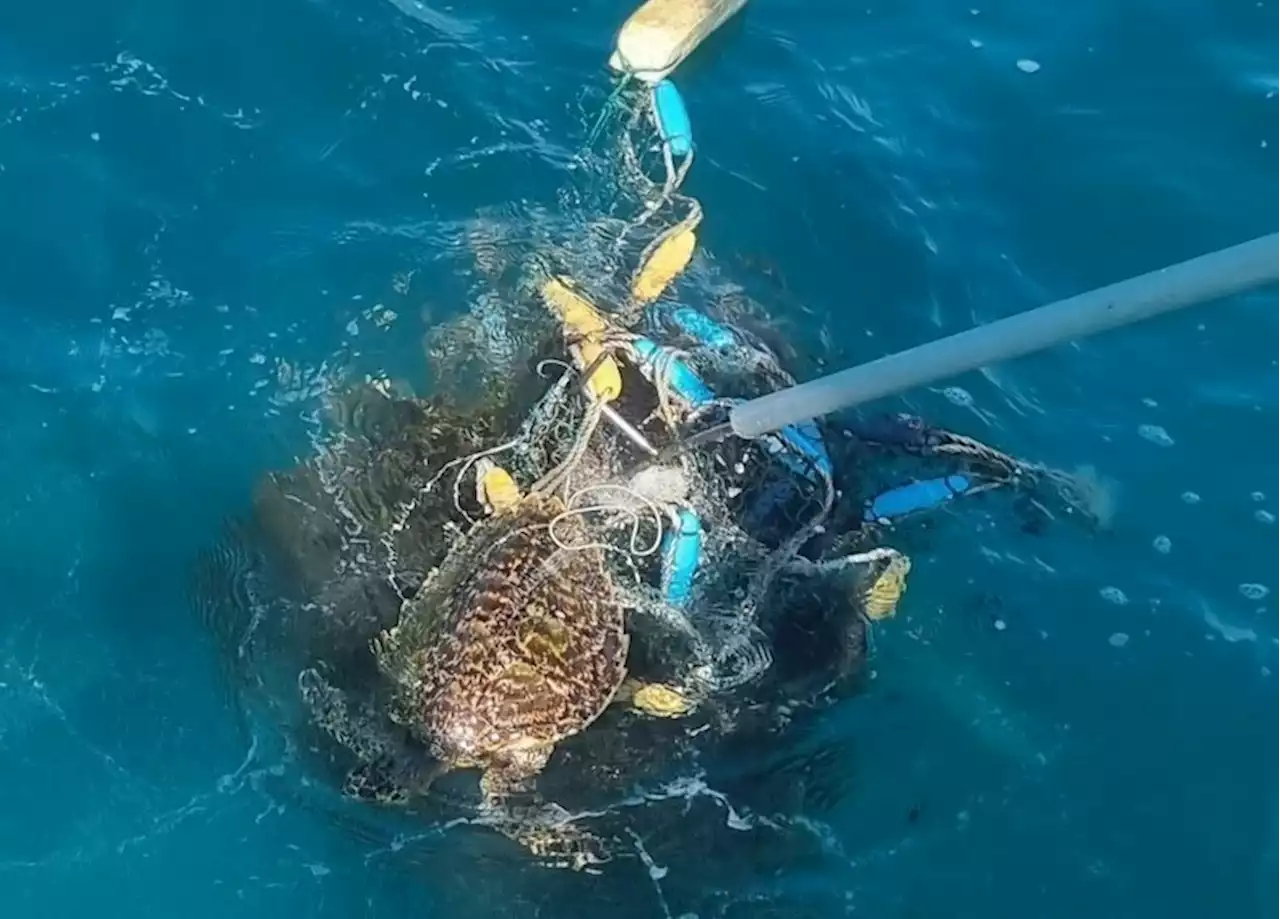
x: 872, y: 584
x: 385, y: 781
x: 657, y: 700
x: 331, y: 711
x: 386, y: 774
x: 546, y: 830
x: 880, y: 577
x: 885, y: 585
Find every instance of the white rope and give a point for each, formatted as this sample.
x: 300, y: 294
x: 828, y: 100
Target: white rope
x: 634, y: 548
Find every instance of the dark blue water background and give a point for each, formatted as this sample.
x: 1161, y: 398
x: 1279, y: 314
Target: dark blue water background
x: 201, y: 205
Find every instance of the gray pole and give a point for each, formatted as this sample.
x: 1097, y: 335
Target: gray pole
x: 1219, y: 274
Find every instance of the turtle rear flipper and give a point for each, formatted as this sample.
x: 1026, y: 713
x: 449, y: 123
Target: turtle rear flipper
x: 558, y: 843
x: 547, y: 832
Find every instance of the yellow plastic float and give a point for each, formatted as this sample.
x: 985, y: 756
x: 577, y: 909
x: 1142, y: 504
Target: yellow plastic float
x: 669, y: 258
x: 495, y: 487
x: 583, y: 322
x: 662, y: 33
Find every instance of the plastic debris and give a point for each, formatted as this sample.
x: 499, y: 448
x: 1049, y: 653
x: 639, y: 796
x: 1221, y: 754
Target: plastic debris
x: 672, y: 118
x: 680, y: 557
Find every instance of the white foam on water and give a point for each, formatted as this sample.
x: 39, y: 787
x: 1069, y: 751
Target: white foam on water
x: 1231, y: 633
x: 1154, y: 433
x: 1114, y: 595
x: 1254, y: 591
x: 449, y: 26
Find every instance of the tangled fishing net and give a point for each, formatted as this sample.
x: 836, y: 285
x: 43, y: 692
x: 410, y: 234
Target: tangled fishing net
x: 754, y: 511
x: 335, y: 546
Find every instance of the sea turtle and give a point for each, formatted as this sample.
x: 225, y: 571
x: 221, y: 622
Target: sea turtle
x: 516, y: 642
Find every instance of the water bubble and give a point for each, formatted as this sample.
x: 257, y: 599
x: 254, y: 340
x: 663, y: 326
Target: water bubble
x: 1264, y: 516
x: 1162, y: 544
x: 1113, y: 595
x: 1190, y: 497
x: 1155, y: 434
x: 1257, y: 496
x: 1118, y: 640
x: 1150, y: 403
x: 1254, y: 591
x: 1026, y: 65
x: 958, y: 396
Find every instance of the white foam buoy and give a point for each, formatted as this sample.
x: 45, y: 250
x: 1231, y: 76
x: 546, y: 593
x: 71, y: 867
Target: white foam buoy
x: 662, y: 33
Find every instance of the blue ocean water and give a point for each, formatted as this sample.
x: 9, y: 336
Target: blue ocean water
x: 206, y: 209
